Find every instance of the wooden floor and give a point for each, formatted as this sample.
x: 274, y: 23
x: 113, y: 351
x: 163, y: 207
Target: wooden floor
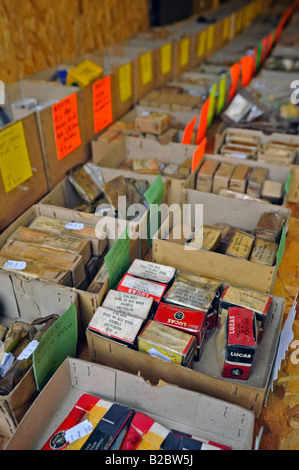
x: 280, y: 417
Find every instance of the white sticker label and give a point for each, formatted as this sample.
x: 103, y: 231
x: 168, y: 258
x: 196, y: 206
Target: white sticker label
x: 17, y: 265
x: 78, y: 431
x: 30, y: 348
x: 74, y: 226
x: 6, y: 363
x: 154, y: 352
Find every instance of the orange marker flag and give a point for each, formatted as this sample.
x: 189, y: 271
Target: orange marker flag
x: 246, y: 69
x: 203, y: 122
x: 188, y: 132
x: 199, y: 154
x: 235, y: 75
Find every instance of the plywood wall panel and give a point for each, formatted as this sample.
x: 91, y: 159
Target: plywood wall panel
x: 37, y: 34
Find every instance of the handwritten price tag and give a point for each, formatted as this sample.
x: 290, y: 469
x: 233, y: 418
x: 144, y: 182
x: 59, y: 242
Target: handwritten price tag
x: 66, y: 126
x: 78, y: 431
x: 102, y: 104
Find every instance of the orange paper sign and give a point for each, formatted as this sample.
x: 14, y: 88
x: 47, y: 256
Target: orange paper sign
x: 203, y: 122
x: 66, y: 126
x: 188, y: 132
x: 102, y: 104
x: 235, y: 75
x: 199, y: 154
x: 247, y: 69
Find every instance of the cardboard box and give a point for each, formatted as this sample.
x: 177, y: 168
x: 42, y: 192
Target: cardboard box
x: 51, y: 95
x: 205, y: 376
x: 210, y: 421
x: 15, y: 201
x: 219, y: 209
x: 52, y: 298
x: 275, y: 173
x: 31, y: 293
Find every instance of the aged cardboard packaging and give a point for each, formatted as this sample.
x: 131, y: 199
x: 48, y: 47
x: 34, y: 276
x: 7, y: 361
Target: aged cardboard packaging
x: 264, y: 252
x: 256, y: 181
x: 116, y: 325
x: 143, y: 287
x: 154, y: 123
x: 134, y: 305
x: 82, y: 230
x: 152, y: 271
x: 272, y: 191
x: 68, y: 243
x: 35, y: 270
x: 269, y: 226
x: 191, y: 321
x: 239, y: 178
x: 205, y: 176
x: 209, y: 240
x: 259, y: 303
x: 222, y: 176
x: 146, y: 166
x: 240, y: 245
x: 49, y: 256
x: 167, y: 343
x: 239, y: 331
x: 76, y: 377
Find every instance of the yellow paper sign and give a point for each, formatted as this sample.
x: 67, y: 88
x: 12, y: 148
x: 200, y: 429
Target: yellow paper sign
x: 185, y: 51
x: 202, y: 42
x: 211, y: 35
x: 146, y: 68
x: 125, y: 81
x: 84, y: 74
x: 166, y: 58
x: 226, y: 27
x: 14, y: 158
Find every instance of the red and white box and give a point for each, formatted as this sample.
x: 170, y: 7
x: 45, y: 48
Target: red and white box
x: 143, y: 287
x: 188, y: 320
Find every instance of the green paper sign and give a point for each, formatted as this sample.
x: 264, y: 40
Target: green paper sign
x: 154, y: 197
x: 212, y: 104
x: 118, y: 259
x: 258, y: 56
x: 59, y: 342
x: 288, y: 184
x: 280, y: 251
x: 221, y: 94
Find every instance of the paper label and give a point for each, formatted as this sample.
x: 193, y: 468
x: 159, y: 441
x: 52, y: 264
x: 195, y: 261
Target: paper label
x: 6, y: 363
x: 14, y: 158
x: 74, y: 226
x: 30, y: 348
x: 152, y: 271
x: 185, y: 51
x: 166, y: 58
x: 212, y: 104
x: 202, y: 42
x: 102, y: 104
x: 210, y: 39
x: 77, y: 432
x: 118, y: 325
x: 16, y: 265
x: 66, y: 126
x: 146, y: 68
x: 226, y: 26
x: 151, y: 288
x: 125, y: 82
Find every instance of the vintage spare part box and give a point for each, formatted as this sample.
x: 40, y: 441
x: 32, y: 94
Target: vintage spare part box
x: 134, y: 305
x: 142, y: 287
x: 153, y: 123
x: 202, y: 416
x: 152, y: 271
x: 191, y: 321
x: 159, y: 340
x: 116, y: 325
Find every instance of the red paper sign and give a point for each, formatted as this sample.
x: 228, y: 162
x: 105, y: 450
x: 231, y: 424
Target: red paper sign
x: 102, y: 104
x: 235, y: 75
x: 66, y: 126
x: 203, y: 123
x: 247, y: 69
x: 188, y: 132
x: 199, y: 154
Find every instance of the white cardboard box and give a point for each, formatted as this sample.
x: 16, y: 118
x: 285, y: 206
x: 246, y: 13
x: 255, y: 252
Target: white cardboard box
x: 171, y: 406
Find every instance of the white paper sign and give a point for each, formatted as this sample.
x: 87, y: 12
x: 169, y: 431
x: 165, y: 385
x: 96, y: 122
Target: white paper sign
x: 28, y: 350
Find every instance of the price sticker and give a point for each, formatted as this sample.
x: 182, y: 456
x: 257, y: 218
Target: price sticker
x: 78, y: 431
x: 74, y: 226
x: 15, y: 265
